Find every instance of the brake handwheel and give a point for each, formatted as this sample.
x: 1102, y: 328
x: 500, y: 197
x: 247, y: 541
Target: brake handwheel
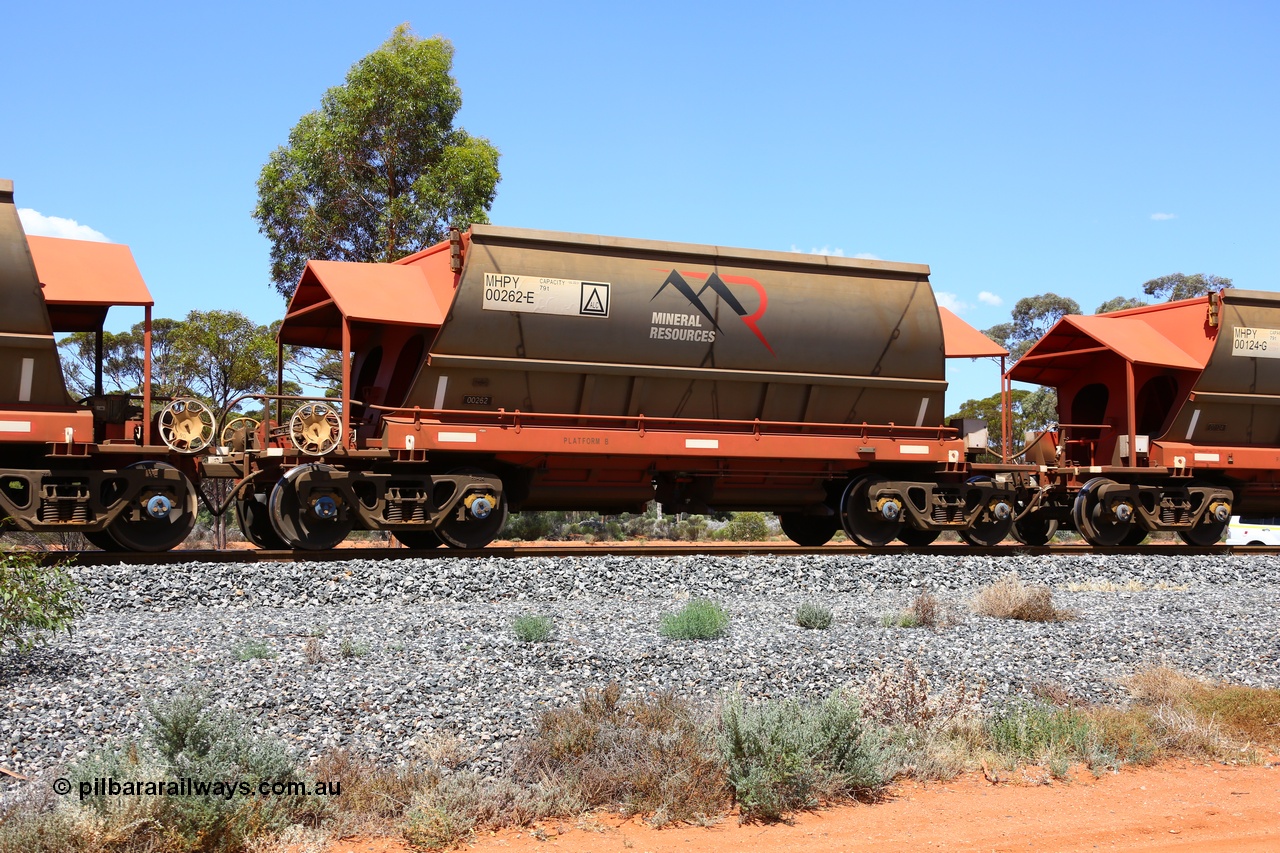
x: 239, y: 434
x: 186, y: 425
x: 315, y: 429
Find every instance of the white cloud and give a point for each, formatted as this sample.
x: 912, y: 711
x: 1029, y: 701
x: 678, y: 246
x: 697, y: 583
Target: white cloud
x: 36, y: 223
x: 1161, y: 217
x: 986, y: 297
x: 825, y: 250
x: 835, y: 253
x: 950, y: 301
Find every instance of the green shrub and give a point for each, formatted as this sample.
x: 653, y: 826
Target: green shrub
x: 809, y: 615
x: 349, y: 648
x: 187, y: 740
x: 700, y: 619
x: 533, y: 629
x: 746, y: 527
x: 35, y: 600
x: 252, y: 650
x: 784, y: 756
x: 1040, y: 733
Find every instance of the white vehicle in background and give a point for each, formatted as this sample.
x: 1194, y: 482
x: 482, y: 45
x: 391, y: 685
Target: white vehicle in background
x: 1254, y: 530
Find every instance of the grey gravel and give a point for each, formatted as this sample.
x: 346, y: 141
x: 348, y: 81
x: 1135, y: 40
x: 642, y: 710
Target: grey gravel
x: 430, y: 652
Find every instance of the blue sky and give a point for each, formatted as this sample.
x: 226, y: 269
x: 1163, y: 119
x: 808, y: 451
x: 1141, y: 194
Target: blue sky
x: 1016, y: 148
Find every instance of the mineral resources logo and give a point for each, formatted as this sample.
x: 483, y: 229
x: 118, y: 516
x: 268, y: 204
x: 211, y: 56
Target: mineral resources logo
x: 688, y: 327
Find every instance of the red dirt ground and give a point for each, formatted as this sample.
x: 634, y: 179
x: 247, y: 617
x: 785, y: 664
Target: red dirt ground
x: 1179, y: 807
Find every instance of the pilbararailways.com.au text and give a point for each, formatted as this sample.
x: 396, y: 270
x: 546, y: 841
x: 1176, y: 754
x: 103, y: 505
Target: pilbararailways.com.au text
x: 188, y: 787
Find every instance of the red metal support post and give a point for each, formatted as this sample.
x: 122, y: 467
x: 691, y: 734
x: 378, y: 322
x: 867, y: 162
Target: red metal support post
x: 146, y: 381
x: 346, y: 379
x: 1132, y: 404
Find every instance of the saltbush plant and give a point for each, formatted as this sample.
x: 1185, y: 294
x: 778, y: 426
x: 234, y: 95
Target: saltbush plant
x: 810, y: 615
x: 533, y: 629
x: 35, y: 602
x: 700, y: 619
x: 784, y: 756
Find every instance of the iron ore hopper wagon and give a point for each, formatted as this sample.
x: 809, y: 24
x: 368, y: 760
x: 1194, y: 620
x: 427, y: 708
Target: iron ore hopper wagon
x: 510, y: 369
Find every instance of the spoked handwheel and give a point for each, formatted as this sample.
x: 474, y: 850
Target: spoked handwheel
x: 319, y: 524
x: 315, y: 429
x: 1098, y: 523
x: 1034, y: 529
x: 186, y: 425
x: 808, y: 530
x: 166, y: 516
x: 255, y: 522
x: 917, y: 538
x: 240, y: 434
x: 419, y: 540
x: 478, y: 518
x: 867, y: 525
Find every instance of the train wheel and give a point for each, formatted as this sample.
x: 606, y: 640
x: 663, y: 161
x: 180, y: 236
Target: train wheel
x: 419, y: 540
x: 317, y: 526
x: 1098, y: 524
x: 1204, y: 534
x: 102, y: 539
x: 988, y: 529
x: 478, y: 518
x: 255, y: 522
x: 168, y: 514
x: 1134, y: 537
x: 808, y: 530
x: 917, y: 538
x: 1034, y: 529
x: 866, y: 526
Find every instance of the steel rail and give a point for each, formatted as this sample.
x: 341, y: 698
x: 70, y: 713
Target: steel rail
x: 250, y: 555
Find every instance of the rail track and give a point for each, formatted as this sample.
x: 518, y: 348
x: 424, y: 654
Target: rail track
x: 99, y: 558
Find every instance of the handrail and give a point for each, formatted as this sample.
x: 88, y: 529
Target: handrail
x: 518, y: 420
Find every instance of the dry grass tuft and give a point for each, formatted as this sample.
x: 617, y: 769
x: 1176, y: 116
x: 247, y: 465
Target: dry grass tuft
x: 1010, y: 597
x: 925, y: 611
x: 649, y: 755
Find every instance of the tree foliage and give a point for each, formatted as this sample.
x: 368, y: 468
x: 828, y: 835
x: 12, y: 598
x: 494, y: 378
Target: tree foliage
x: 379, y: 171
x: 123, y: 360
x: 213, y: 355
x: 1032, y: 317
x: 1175, y: 286
x: 1119, y: 303
x: 1029, y: 410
